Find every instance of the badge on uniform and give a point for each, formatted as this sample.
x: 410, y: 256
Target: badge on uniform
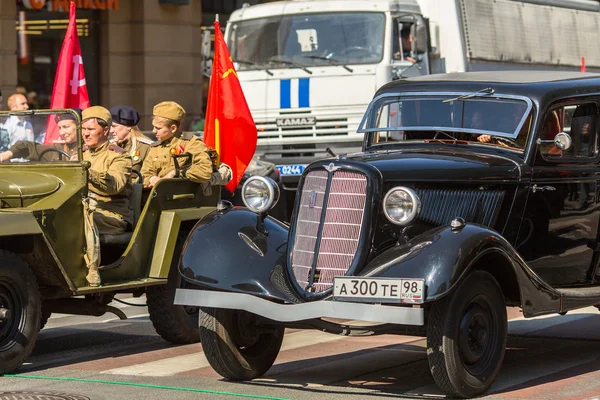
x: 177, y: 150
x: 136, y: 156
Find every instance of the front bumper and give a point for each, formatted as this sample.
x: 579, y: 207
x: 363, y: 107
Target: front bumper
x: 401, y: 315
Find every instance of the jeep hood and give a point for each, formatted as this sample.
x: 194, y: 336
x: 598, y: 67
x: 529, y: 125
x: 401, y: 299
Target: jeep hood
x: 19, y: 185
x: 442, y: 165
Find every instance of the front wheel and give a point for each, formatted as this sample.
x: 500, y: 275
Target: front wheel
x: 237, y: 344
x: 466, y: 336
x: 19, y: 311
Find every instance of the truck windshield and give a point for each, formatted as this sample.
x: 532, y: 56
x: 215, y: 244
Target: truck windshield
x: 487, y: 121
x: 290, y: 41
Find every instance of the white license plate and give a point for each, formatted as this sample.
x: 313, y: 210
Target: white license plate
x: 378, y: 289
x: 287, y: 170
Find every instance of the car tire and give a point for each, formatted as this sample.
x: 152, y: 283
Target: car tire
x: 175, y: 324
x: 466, y: 336
x: 44, y: 317
x: 20, y: 295
x: 236, y: 346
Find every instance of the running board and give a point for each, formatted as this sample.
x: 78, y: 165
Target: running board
x: 574, y: 298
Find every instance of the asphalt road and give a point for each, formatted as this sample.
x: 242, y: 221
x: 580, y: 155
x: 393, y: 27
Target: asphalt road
x: 556, y: 357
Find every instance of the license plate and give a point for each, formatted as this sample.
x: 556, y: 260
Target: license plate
x: 287, y: 170
x: 378, y: 289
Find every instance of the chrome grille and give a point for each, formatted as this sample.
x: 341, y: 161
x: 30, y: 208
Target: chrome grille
x: 339, y: 233
x: 441, y: 206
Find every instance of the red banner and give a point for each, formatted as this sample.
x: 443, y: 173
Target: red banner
x: 70, y: 89
x: 230, y: 129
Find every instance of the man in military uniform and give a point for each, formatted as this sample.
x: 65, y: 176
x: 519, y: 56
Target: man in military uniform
x: 159, y: 164
x: 109, y: 179
x: 67, y: 127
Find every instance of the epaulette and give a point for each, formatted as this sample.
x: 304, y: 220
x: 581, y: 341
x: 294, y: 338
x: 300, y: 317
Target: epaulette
x: 145, y: 140
x: 187, y: 135
x: 116, y: 148
x: 156, y: 144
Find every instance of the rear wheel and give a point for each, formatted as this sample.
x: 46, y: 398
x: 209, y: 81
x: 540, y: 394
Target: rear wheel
x: 466, y: 336
x: 237, y: 344
x: 19, y: 311
x: 175, y: 324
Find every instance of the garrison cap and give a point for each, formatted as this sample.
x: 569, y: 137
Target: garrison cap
x: 67, y: 116
x: 125, y: 115
x: 169, y: 110
x: 97, y: 112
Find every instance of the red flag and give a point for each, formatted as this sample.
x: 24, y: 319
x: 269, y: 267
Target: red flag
x: 583, y: 64
x: 230, y: 129
x: 70, y: 89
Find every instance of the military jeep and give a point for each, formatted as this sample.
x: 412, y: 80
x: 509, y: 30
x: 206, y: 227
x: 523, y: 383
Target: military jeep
x: 42, y: 246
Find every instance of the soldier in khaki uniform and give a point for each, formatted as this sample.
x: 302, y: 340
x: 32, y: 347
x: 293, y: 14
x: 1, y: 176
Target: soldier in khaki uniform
x: 126, y: 134
x: 67, y: 127
x: 166, y: 122
x: 109, y: 185
x: 109, y: 173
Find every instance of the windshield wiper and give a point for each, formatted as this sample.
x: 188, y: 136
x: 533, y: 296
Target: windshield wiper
x: 331, y: 60
x: 246, y: 62
x: 479, y: 93
x: 294, y: 64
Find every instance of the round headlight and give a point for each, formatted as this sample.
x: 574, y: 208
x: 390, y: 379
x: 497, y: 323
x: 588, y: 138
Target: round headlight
x: 401, y: 205
x: 260, y: 194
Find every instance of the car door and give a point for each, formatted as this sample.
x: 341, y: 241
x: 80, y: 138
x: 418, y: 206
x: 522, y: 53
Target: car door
x: 558, y: 236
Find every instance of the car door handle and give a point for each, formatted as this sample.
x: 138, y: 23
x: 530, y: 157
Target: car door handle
x: 537, y: 188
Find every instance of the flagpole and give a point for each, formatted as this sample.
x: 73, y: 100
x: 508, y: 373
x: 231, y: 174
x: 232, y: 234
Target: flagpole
x: 217, y: 17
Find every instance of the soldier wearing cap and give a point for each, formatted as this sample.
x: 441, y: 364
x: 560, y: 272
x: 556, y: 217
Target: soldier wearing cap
x: 126, y: 134
x: 67, y: 128
x: 109, y: 173
x: 159, y: 164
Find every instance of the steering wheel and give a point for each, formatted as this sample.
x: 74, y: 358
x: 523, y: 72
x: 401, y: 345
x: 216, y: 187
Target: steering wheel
x: 353, y: 49
x: 62, y: 153
x: 510, y: 142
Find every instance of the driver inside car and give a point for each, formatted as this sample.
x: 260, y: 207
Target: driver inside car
x: 33, y: 151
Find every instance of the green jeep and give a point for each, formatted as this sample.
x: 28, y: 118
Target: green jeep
x: 42, y: 246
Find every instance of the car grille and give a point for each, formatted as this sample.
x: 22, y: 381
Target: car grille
x: 327, y: 241
x: 322, y: 127
x: 440, y: 207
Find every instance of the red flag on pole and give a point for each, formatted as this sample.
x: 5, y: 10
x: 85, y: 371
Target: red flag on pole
x: 70, y: 89
x: 230, y: 129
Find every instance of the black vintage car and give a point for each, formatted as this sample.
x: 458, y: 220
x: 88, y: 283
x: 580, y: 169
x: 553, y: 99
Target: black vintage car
x: 473, y: 192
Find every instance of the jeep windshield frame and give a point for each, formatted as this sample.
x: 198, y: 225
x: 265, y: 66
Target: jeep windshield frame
x: 38, y: 121
x: 448, y: 116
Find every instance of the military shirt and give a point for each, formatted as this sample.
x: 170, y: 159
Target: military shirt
x: 137, y: 150
x: 32, y: 150
x: 159, y: 160
x: 109, y: 182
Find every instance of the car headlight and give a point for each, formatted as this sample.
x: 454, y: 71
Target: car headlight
x: 401, y: 205
x: 260, y: 194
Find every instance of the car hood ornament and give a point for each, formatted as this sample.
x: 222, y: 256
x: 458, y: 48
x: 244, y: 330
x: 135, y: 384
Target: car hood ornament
x: 332, y: 168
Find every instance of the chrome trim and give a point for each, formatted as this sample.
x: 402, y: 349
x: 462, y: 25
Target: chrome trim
x: 299, y: 312
x: 527, y: 100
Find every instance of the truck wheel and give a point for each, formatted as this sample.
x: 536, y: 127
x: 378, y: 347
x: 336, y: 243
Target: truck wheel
x: 466, y: 336
x: 19, y: 311
x: 175, y: 324
x: 236, y: 345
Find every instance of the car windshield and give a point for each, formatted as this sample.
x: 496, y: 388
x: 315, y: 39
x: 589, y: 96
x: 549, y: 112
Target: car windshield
x: 464, y: 118
x: 39, y: 136
x: 292, y: 41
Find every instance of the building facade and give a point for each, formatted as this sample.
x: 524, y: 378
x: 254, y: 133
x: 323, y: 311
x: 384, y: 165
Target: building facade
x: 135, y: 52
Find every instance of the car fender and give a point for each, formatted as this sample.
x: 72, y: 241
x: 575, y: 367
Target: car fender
x: 443, y: 256
x: 231, y: 250
x: 18, y: 223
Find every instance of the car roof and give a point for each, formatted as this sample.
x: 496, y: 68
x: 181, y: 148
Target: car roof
x: 540, y: 86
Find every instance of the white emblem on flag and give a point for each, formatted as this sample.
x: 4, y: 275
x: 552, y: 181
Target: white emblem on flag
x: 75, y: 81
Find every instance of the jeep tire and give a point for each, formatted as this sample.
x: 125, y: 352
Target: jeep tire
x: 175, y: 324
x: 237, y: 345
x: 466, y: 336
x: 21, y: 308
